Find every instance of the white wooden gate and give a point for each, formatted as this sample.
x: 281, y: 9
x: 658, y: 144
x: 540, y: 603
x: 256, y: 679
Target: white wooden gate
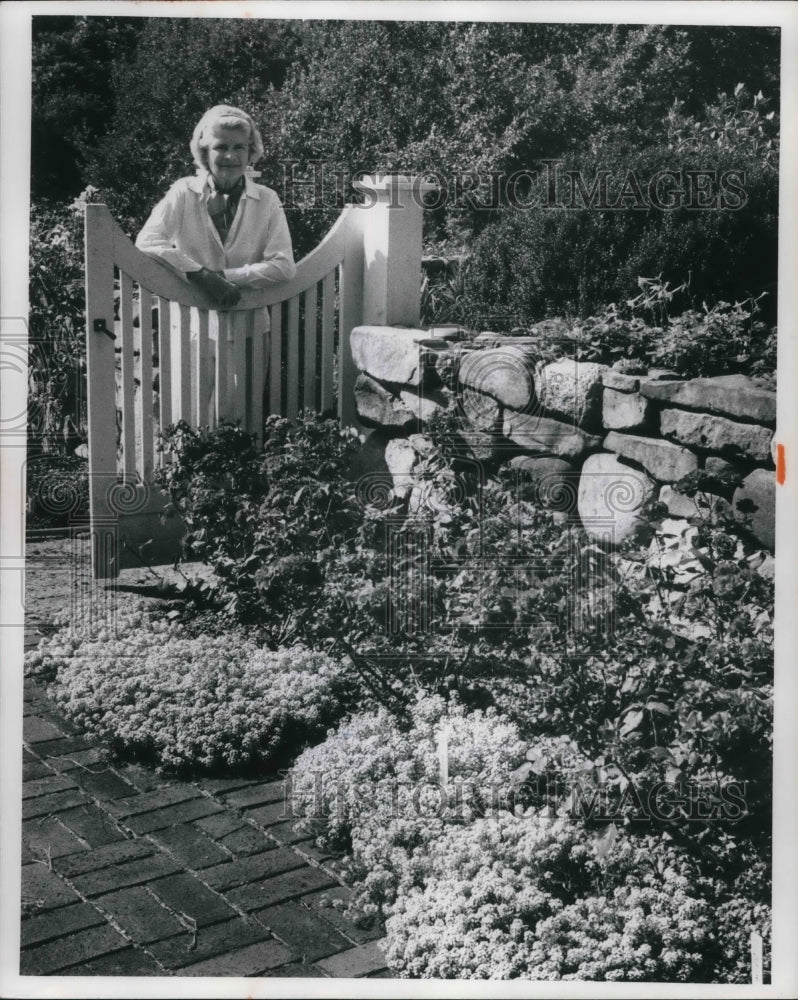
x: 366, y: 270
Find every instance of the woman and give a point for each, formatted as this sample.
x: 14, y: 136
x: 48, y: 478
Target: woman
x: 221, y: 230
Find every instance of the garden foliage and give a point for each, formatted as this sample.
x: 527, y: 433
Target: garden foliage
x: 56, y: 324
x: 614, y: 691
x: 372, y: 787
x: 142, y: 685
x: 538, y: 898
x: 268, y: 523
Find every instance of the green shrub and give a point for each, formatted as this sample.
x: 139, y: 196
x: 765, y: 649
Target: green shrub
x: 266, y: 522
x: 140, y: 684
x: 549, y: 261
x: 57, y: 489
x: 56, y: 323
x: 537, y: 898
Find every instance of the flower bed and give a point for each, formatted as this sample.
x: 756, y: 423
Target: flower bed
x: 148, y: 689
x: 602, y: 806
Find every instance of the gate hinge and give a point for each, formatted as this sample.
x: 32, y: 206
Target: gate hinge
x: 100, y: 327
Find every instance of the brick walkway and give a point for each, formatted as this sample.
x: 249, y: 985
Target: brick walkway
x: 126, y: 873
x: 129, y: 874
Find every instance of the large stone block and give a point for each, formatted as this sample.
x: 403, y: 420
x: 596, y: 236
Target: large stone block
x: 400, y: 457
x: 550, y: 482
x: 729, y: 395
x: 620, y: 381
x: 717, y: 434
x: 382, y: 468
x: 665, y: 461
x: 611, y: 496
x: 505, y: 373
x: 546, y: 436
x: 481, y: 411
x: 378, y: 407
x: 624, y: 411
x: 425, y: 404
x: 571, y: 390
x: 703, y: 503
x: 758, y: 491
x: 395, y: 354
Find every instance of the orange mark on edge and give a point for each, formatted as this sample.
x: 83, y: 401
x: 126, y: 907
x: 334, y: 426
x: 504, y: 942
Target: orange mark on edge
x: 781, y: 464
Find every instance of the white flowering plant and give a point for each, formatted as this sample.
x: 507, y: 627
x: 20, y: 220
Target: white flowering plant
x: 149, y: 689
x: 375, y: 788
x: 540, y: 898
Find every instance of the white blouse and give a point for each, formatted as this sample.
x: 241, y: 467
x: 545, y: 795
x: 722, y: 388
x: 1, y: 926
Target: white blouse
x: 257, y: 250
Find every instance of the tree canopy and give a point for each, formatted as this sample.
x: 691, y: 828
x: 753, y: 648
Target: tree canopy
x: 115, y: 101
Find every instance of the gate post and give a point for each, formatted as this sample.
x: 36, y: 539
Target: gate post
x: 101, y: 386
x: 392, y: 218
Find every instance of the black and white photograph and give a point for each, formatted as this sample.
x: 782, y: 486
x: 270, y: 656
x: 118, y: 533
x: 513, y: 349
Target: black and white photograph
x: 398, y: 401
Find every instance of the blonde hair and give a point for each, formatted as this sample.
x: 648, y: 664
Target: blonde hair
x: 228, y: 117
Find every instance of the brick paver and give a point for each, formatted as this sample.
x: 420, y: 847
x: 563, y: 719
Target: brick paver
x: 96, y: 827
x: 70, y: 950
x: 57, y: 923
x: 128, y: 962
x: 159, y: 819
x: 261, y: 894
x: 48, y: 838
x: 43, y: 786
x: 308, y: 935
x: 251, y: 869
x: 186, y: 895
x: 215, y: 939
x: 255, y: 795
x: 246, y: 840
x: 360, y: 961
x: 191, y: 846
x: 129, y: 873
x: 104, y: 857
x: 47, y: 805
x: 140, y: 915
x: 168, y: 795
x: 249, y: 961
x: 102, y: 783
x: 134, y: 872
x: 43, y: 889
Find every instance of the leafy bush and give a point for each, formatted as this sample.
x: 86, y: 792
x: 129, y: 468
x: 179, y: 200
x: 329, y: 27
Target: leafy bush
x: 55, y: 322
x: 57, y: 490
x: 537, y: 898
x: 729, y: 337
x: 373, y: 788
x: 265, y: 522
x: 139, y: 683
x: 558, y: 260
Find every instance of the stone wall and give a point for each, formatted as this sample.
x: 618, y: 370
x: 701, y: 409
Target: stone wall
x: 592, y: 441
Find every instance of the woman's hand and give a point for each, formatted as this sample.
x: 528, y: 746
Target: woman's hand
x: 222, y: 293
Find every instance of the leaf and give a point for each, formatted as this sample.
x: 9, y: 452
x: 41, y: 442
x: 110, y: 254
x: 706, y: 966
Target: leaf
x: 520, y: 774
x: 658, y: 706
x: 631, y: 722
